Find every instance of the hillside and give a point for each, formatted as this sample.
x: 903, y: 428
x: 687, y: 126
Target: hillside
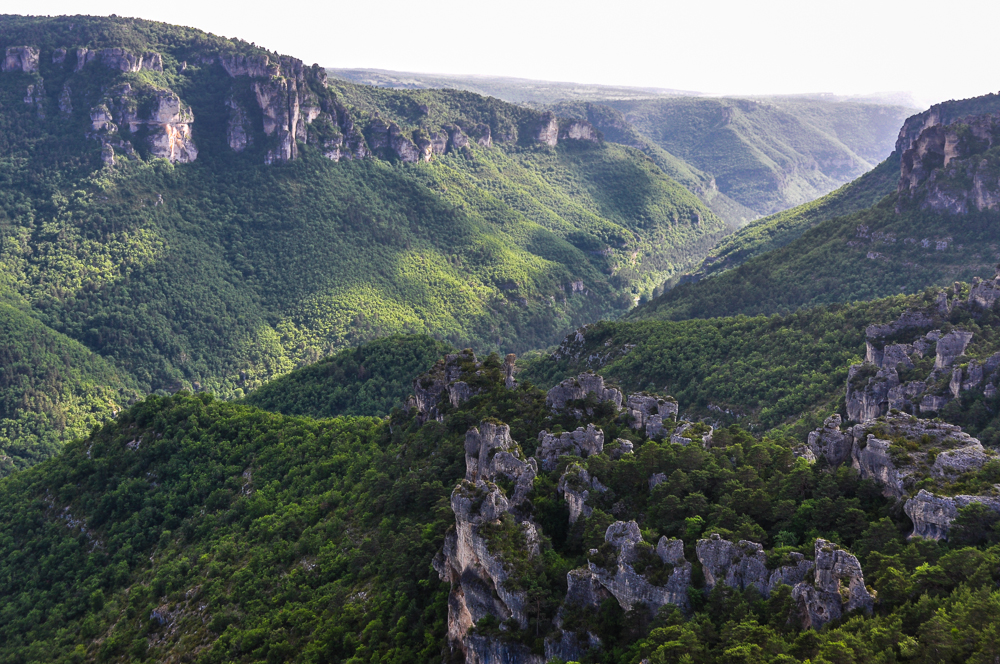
x: 935, y: 227
x: 52, y: 390
x: 770, y: 154
x: 208, y: 215
x: 370, y: 379
x: 191, y: 529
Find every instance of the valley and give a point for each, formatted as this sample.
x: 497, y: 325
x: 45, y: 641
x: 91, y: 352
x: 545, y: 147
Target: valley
x: 320, y: 365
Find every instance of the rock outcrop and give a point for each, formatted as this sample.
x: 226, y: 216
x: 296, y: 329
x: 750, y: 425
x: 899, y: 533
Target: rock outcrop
x: 21, y: 58
x: 649, y: 413
x: 838, y: 587
x: 631, y: 588
x: 471, y: 561
x: 547, y: 130
x: 443, y: 381
x: 165, y: 124
x: 581, y: 443
x: 831, y: 443
x: 933, y: 515
x: 744, y: 565
x: 575, y: 485
x: 934, y: 449
x: 576, y: 389
x: 578, y: 130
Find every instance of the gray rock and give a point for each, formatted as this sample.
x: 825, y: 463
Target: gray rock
x: 65, y: 100
x: 830, y: 443
x: 547, y: 131
x: 838, y: 587
x: 573, y: 389
x: 950, y: 347
x: 904, y: 397
x: 738, y: 566
x: 570, y: 646
x: 678, y: 437
x: 870, y: 399
x: 642, y: 407
x: 21, y: 58
x: 578, y: 130
x: 933, y: 515
x: 429, y: 388
x: 165, y: 117
x: 907, y: 320
x: 656, y: 479
x: 238, y: 133
x: 490, y: 453
x: 59, y: 56
x: 874, y: 463
x: 575, y: 485
x: 582, y: 443
x: 624, y: 447
x: 480, y: 649
x: 509, y: 366
x: 985, y: 293
x: 630, y: 588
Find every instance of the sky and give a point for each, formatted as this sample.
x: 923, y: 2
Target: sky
x: 935, y: 51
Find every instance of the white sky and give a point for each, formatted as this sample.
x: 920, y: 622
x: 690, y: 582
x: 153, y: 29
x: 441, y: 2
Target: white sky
x: 934, y: 50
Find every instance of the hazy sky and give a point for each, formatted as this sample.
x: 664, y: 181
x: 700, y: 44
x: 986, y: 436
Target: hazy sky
x: 936, y: 50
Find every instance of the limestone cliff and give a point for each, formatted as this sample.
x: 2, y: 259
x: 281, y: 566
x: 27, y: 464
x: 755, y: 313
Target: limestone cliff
x: 944, y: 165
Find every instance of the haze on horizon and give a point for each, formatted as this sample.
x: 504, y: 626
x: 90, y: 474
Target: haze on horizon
x: 726, y: 47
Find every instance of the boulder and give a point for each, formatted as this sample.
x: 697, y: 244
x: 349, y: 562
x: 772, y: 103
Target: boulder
x: 441, y: 382
x: 738, y: 566
x: 650, y: 412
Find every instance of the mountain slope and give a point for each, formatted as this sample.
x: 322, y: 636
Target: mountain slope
x: 371, y: 380
x: 743, y: 157
x: 770, y: 154
x: 210, y: 215
x: 52, y: 390
x: 938, y: 226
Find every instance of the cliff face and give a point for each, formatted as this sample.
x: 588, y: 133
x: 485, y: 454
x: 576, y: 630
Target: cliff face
x: 273, y: 102
x: 943, y: 162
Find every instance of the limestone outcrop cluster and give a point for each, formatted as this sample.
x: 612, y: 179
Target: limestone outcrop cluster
x: 874, y: 387
x: 937, y: 450
x: 21, y: 58
x: 581, y: 443
x: 650, y: 412
x: 577, y: 389
x: 838, y: 587
x: 630, y: 588
x: 158, y: 117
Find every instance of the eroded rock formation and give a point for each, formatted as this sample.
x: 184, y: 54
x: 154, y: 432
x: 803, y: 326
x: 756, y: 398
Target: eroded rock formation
x: 443, y: 381
x: 933, y: 515
x: 164, y: 123
x: 581, y: 443
x: 838, y: 587
x: 575, y: 389
x: 21, y: 58
x: 631, y: 588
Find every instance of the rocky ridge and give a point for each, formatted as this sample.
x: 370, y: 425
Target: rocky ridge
x: 293, y: 102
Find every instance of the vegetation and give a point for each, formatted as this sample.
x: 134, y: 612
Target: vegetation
x: 52, y: 390
x: 370, y: 379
